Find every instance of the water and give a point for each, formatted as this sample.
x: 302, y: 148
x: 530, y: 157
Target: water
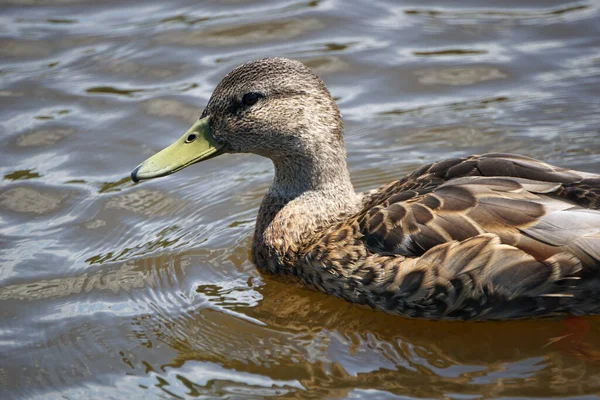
x: 110, y: 290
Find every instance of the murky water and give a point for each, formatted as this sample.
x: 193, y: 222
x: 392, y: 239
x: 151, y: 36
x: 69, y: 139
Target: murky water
x: 115, y: 290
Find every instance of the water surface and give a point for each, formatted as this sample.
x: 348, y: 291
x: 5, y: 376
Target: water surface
x: 115, y: 290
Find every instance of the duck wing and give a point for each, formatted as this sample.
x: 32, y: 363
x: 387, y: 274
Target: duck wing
x: 538, y: 208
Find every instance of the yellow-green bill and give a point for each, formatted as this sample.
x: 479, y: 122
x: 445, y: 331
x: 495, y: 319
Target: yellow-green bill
x: 196, y: 145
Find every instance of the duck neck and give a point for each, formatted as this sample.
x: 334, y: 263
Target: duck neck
x: 323, y: 170
x: 308, y: 193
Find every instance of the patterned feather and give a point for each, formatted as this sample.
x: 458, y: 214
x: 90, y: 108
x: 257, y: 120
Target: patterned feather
x: 495, y: 236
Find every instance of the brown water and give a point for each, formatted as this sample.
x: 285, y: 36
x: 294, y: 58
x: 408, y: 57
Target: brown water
x: 110, y: 290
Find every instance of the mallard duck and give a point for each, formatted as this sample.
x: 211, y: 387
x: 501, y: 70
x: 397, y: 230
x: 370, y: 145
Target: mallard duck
x: 493, y: 236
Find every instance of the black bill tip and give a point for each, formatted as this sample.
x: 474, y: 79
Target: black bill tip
x: 134, y: 176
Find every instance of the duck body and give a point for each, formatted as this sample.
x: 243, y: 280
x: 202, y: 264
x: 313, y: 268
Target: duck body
x: 496, y: 236
x: 485, y: 237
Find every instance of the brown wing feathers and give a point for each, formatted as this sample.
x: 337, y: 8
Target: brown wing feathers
x: 411, y: 222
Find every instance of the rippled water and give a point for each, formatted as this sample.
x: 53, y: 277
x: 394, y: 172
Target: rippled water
x: 115, y: 290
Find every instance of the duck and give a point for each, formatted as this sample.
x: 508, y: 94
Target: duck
x: 483, y: 237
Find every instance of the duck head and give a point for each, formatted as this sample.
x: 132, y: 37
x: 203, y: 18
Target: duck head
x: 273, y: 107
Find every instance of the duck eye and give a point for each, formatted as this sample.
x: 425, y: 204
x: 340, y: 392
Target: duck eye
x: 250, y: 99
x: 191, y: 137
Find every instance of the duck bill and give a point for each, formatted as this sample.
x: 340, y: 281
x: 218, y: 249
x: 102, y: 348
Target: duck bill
x: 196, y: 145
